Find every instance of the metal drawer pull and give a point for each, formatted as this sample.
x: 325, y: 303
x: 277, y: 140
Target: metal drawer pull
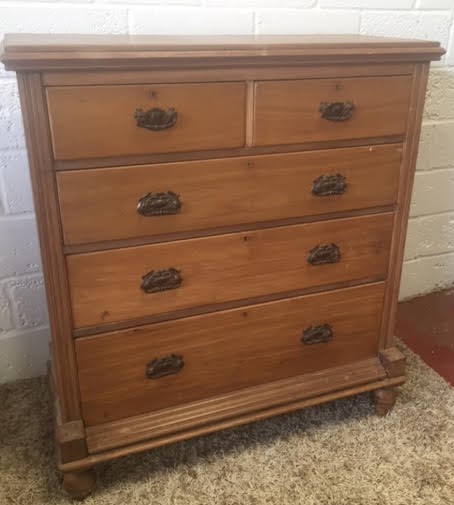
x: 161, y: 280
x: 156, y: 119
x: 317, y: 334
x: 159, y: 204
x: 167, y: 365
x: 327, y: 185
x: 325, y: 253
x: 336, y: 111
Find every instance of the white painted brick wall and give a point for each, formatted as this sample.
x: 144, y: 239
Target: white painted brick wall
x: 305, y: 21
x: 203, y: 21
x: 429, y: 253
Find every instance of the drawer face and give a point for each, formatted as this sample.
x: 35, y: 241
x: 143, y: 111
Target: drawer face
x: 288, y: 112
x: 102, y: 204
x: 106, y: 285
x: 99, y: 121
x: 225, y: 351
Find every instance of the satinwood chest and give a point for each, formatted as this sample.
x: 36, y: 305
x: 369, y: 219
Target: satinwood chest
x: 222, y: 222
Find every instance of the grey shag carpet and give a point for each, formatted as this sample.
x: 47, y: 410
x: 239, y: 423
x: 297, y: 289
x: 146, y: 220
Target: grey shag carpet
x: 334, y: 454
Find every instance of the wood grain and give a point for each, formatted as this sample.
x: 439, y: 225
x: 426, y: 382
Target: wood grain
x: 49, y: 230
x: 225, y: 73
x: 206, y: 232
x: 79, y: 484
x: 151, y: 159
x: 248, y: 143
x: 393, y: 361
x: 287, y: 112
x: 105, y: 286
x: 101, y: 205
x: 222, y: 43
x: 419, y: 84
x: 70, y: 438
x: 384, y: 400
x: 94, y: 121
x: 216, y: 307
x: 58, y: 52
x: 238, y: 407
x: 230, y: 422
x: 367, y: 380
x: 224, y: 352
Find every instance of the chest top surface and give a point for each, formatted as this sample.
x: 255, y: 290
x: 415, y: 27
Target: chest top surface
x: 47, y: 52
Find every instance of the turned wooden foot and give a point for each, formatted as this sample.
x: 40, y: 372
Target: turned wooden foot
x: 384, y: 400
x: 79, y: 484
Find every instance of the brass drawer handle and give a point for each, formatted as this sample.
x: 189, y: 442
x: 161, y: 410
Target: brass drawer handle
x: 336, y: 111
x: 156, y: 119
x: 159, y: 204
x: 161, y: 280
x: 317, y: 334
x: 322, y: 254
x: 167, y: 365
x: 327, y: 185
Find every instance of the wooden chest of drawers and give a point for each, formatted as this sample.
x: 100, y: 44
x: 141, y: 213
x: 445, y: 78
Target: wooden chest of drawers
x: 222, y: 224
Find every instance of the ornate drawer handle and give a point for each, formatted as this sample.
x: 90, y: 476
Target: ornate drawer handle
x: 327, y: 185
x: 326, y: 253
x: 336, y: 111
x: 317, y: 334
x: 161, y: 280
x: 167, y: 365
x: 159, y: 204
x: 156, y: 119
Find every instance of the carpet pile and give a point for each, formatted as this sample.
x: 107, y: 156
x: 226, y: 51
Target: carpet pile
x: 334, y: 454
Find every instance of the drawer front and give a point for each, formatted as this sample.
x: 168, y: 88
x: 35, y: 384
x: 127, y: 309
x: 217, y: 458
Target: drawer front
x: 147, y: 200
x: 153, y: 367
x: 105, y: 121
x: 313, y: 110
x: 154, y: 279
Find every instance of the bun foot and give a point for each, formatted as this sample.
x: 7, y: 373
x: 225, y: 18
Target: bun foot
x: 384, y: 400
x: 79, y: 484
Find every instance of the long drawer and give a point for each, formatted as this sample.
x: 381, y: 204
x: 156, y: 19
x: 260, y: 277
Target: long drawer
x: 149, y: 200
x: 135, y: 282
x: 153, y: 367
x: 107, y: 121
x: 313, y: 110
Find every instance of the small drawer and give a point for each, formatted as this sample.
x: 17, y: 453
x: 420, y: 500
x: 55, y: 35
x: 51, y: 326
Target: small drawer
x: 150, y: 200
x: 315, y: 110
x: 135, y: 282
x: 149, y: 368
x: 107, y: 121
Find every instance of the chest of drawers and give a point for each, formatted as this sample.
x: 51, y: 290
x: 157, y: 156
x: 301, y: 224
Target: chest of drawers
x: 221, y: 223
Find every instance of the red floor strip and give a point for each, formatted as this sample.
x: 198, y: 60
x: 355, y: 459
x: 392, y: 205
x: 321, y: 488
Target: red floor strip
x: 426, y: 325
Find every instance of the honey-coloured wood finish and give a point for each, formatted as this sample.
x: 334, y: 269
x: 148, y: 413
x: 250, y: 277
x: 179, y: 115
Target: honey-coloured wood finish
x: 49, y: 230
x: 262, y: 344
x: 244, y: 294
x: 79, y: 484
x: 210, y: 74
x: 101, y: 204
x: 235, y: 408
x: 380, y: 107
x: 420, y: 77
x: 384, y: 400
x: 123, y: 52
x: 99, y: 121
x: 105, y: 285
